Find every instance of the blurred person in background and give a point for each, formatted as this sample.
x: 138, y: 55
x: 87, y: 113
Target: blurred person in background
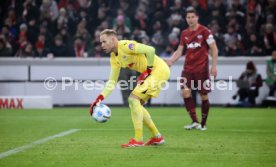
x: 41, y: 49
x: 83, y: 32
x: 140, y: 20
x: 157, y: 39
x: 237, y: 5
x: 121, y: 28
x: 269, y: 39
x: 254, y: 46
x: 11, y: 22
x: 5, y: 31
x: 232, y: 40
x: 66, y: 36
x: 32, y: 31
x: 173, y: 37
x: 43, y: 29
x: 5, y: 48
x: 79, y: 48
x: 31, y: 10
x: 218, y: 36
x: 22, y: 39
x: 233, y: 14
x: 25, y: 51
x: 250, y: 82
x: 49, y: 10
x: 175, y: 21
x: 127, y: 22
x: 102, y: 16
x: 104, y: 25
x: 217, y: 12
x: 271, y: 74
x: 84, y: 15
x: 62, y: 19
x: 177, y: 7
x: 58, y: 49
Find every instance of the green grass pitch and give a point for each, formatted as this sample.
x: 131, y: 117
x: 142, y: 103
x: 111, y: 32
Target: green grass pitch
x: 235, y: 137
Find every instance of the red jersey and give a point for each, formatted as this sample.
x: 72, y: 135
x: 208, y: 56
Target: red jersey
x: 196, y: 48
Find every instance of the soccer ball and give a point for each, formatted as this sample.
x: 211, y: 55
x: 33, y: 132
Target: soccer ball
x: 101, y: 113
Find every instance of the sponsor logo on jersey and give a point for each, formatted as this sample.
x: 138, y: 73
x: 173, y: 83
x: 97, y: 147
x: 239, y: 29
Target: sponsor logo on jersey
x: 199, y: 36
x: 193, y: 45
x: 131, y: 46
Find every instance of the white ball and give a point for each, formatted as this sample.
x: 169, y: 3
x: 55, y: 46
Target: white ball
x: 101, y: 113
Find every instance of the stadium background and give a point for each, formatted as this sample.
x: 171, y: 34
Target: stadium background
x: 70, y: 28
x: 45, y: 30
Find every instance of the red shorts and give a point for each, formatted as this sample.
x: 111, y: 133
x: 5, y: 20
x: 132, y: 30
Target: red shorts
x: 196, y: 81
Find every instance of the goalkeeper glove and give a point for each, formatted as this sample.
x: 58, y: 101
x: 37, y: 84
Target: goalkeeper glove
x: 144, y: 75
x: 96, y: 102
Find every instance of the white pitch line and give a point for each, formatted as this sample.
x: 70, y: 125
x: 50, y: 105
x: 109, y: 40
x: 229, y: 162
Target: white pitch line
x: 27, y: 146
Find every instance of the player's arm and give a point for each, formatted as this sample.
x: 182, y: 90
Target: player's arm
x: 214, y: 54
x: 148, y: 51
x: 134, y: 47
x: 112, y: 81
x: 109, y: 87
x: 176, y: 55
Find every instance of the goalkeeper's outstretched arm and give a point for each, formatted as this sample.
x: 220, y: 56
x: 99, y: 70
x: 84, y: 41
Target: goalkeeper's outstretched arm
x: 111, y: 83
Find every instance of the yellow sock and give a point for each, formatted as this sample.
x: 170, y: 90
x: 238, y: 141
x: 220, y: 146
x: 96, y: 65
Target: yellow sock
x: 149, y: 123
x: 137, y: 117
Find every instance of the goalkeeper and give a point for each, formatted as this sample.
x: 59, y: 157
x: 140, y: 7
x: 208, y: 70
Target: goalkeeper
x: 154, y: 73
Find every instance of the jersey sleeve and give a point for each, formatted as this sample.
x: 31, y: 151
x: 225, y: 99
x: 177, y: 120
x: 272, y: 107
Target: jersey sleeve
x: 113, y: 77
x: 133, y: 47
x: 208, y: 36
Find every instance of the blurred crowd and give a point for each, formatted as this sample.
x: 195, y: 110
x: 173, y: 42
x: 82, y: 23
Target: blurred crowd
x: 70, y: 28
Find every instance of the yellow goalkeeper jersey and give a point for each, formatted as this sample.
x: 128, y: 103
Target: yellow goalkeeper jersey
x: 132, y: 55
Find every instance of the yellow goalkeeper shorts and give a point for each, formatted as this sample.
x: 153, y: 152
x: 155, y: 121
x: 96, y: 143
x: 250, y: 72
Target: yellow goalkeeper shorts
x: 154, y: 83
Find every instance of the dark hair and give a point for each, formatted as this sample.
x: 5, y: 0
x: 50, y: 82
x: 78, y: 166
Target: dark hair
x: 251, y: 66
x: 191, y: 9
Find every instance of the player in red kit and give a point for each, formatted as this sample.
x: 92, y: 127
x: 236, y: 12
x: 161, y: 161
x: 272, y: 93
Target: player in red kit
x: 196, y: 41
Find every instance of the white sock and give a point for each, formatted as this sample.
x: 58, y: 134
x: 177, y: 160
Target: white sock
x: 158, y: 135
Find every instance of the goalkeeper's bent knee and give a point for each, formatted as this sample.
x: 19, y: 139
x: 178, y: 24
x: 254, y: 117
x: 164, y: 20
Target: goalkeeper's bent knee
x: 132, y: 102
